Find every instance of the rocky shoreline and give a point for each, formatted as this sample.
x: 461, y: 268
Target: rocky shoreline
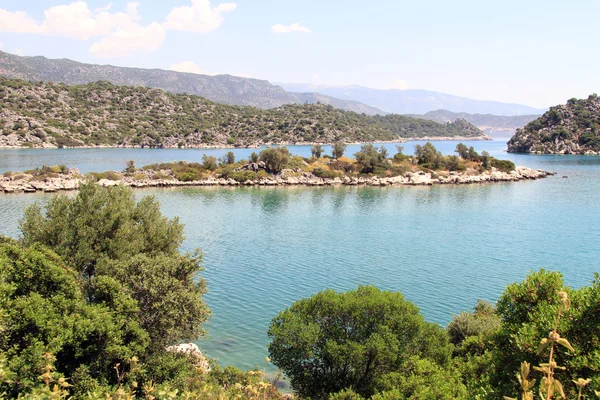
x: 23, y: 183
x: 14, y: 141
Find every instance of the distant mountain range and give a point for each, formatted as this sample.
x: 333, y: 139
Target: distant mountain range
x: 225, y: 89
x: 413, y: 101
x: 494, y: 118
x: 493, y: 125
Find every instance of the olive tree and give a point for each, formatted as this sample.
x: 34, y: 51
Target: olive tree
x: 335, y: 341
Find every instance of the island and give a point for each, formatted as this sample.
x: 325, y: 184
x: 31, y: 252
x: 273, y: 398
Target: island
x: 277, y: 167
x: 572, y: 128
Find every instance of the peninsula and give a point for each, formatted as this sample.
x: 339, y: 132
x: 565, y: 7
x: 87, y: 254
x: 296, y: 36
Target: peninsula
x: 277, y: 167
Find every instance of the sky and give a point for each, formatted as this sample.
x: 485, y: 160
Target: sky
x: 538, y: 53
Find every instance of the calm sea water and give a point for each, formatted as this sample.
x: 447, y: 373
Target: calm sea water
x: 442, y: 247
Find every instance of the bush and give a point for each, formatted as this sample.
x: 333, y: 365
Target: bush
x: 209, y: 162
x: 327, y: 174
x: 334, y: 341
x: 502, y: 165
x: 275, y: 159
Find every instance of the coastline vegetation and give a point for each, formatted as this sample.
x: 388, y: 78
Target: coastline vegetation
x: 369, y: 161
x: 102, y: 114
x: 96, y: 290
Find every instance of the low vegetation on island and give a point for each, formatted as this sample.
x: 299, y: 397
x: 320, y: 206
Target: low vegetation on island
x: 572, y: 128
x: 96, y: 291
x: 38, y: 114
x: 276, y: 166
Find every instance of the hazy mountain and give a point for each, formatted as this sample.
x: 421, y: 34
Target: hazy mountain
x: 413, y: 101
x: 224, y: 89
x: 492, y: 125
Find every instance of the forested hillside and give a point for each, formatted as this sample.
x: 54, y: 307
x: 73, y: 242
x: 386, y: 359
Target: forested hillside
x: 47, y: 114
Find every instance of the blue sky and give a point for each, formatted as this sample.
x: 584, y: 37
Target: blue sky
x: 538, y: 53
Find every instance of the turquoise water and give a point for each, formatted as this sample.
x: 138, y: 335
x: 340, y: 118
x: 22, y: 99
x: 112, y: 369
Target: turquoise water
x: 442, y: 247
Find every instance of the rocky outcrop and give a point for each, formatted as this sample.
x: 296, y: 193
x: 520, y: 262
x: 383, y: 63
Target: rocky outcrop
x: 572, y: 128
x: 192, y: 350
x: 18, y: 182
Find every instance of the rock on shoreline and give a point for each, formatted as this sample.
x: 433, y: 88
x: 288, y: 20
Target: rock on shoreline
x: 21, y: 183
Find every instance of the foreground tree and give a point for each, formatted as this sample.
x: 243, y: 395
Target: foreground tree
x: 335, y: 341
x: 120, y: 247
x: 43, y: 310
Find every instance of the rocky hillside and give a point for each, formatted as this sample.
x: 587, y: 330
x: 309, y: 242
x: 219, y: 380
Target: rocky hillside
x: 224, y: 89
x: 38, y: 114
x: 572, y: 128
x: 492, y: 125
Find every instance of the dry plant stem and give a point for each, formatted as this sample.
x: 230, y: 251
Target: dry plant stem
x: 550, y: 373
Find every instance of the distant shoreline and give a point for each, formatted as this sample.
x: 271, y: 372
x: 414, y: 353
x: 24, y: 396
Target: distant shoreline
x: 257, y: 146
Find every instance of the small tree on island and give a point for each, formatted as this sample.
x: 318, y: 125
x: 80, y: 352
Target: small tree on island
x: 338, y: 149
x: 275, y: 159
x: 316, y: 150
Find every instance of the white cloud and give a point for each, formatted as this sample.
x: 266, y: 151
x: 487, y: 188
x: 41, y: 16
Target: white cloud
x: 19, y: 52
x: 399, y: 84
x: 189, y: 66
x: 278, y: 28
x: 119, y: 33
x: 199, y: 17
x: 124, y: 42
x: 132, y: 11
x: 17, y: 21
x: 105, y: 8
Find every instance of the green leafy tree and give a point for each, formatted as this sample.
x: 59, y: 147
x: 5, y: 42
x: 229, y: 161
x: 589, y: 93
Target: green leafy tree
x: 338, y: 150
x: 428, y: 156
x: 462, y: 150
x: 528, y: 312
x: 43, y: 309
x: 229, y: 158
x: 370, y: 159
x: 254, y: 157
x: 421, y: 379
x: 119, y: 246
x: 275, y: 159
x: 316, y: 150
x: 209, y: 162
x: 334, y: 341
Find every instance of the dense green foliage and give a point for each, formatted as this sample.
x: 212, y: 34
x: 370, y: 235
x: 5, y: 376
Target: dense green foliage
x: 275, y: 159
x: 335, y: 341
x: 44, y: 310
x: 573, y: 128
x: 101, y: 113
x: 111, y: 241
